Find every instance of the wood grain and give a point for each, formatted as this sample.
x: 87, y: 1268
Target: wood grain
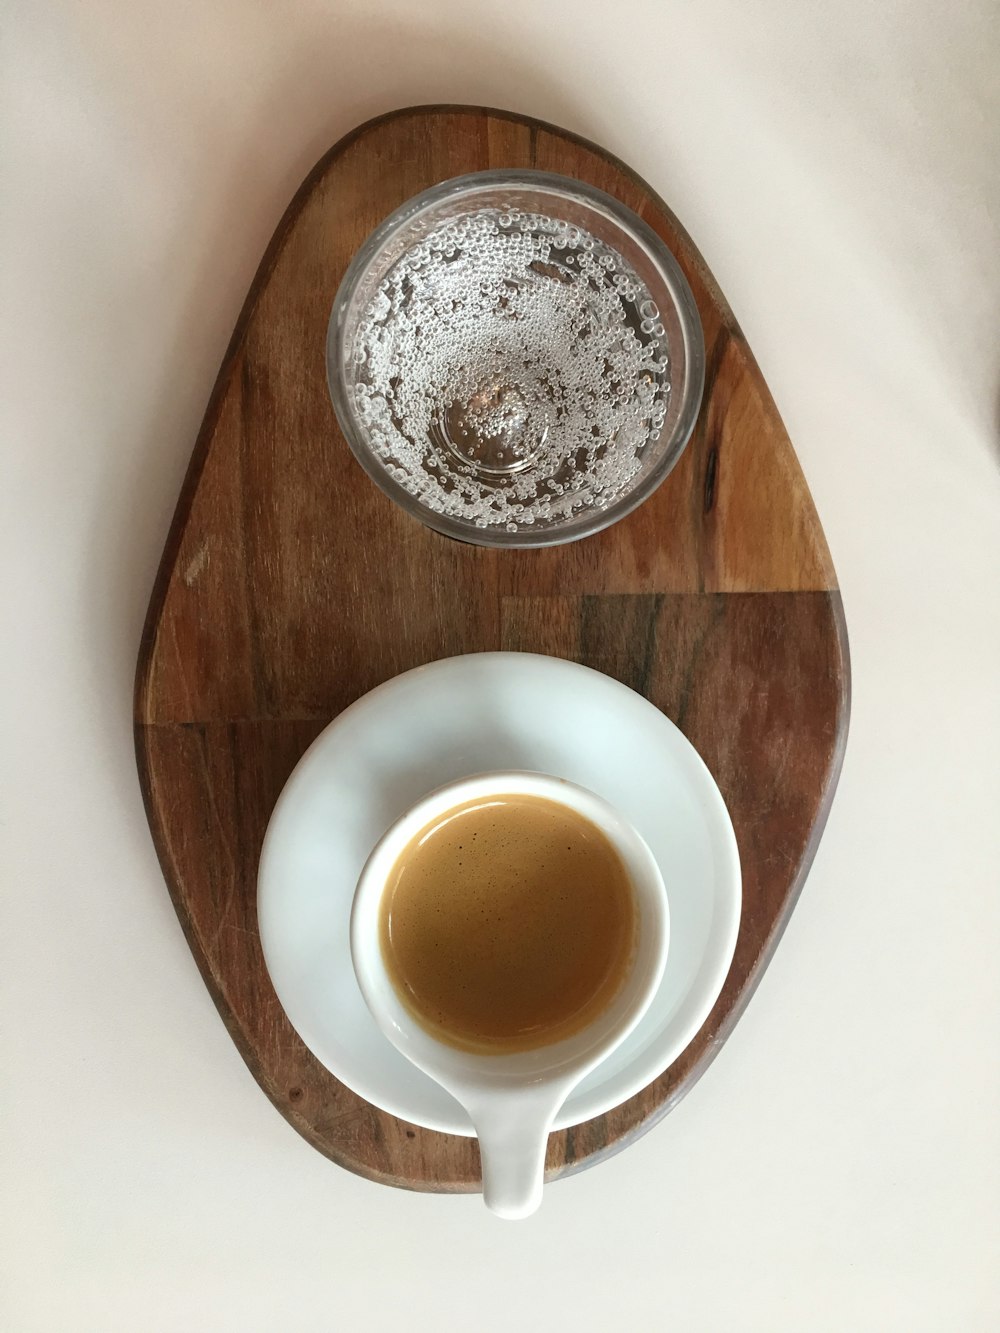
x: 290, y: 586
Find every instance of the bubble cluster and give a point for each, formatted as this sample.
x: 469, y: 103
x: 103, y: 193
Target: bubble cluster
x: 510, y: 370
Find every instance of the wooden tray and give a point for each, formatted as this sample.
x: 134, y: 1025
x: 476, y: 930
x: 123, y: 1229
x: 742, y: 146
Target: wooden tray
x: 290, y: 586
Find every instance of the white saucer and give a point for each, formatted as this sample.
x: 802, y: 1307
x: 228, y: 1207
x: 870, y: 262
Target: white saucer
x: 444, y: 721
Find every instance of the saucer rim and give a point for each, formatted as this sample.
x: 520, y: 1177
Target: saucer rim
x: 728, y: 873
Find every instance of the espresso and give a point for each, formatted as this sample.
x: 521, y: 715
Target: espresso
x: 507, y: 923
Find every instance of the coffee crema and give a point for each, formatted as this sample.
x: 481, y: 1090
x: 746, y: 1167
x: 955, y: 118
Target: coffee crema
x: 507, y: 923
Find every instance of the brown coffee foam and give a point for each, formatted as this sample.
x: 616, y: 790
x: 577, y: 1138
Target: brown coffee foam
x: 508, y: 923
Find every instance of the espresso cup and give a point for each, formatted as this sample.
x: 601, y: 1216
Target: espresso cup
x: 512, y: 1097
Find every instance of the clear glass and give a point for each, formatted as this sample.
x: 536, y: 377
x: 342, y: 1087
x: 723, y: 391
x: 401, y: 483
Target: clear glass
x: 515, y: 358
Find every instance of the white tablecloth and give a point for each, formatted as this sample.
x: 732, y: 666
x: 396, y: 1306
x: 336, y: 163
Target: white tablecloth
x: 838, y: 1168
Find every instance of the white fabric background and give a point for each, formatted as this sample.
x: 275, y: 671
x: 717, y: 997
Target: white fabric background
x: 839, y: 1166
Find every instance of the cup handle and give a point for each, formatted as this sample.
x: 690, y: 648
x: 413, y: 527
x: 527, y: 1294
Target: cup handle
x: 513, y: 1131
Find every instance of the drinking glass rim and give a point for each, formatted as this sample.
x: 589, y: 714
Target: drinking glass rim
x: 593, y: 521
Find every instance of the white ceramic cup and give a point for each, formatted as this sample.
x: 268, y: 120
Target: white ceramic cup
x: 512, y: 1098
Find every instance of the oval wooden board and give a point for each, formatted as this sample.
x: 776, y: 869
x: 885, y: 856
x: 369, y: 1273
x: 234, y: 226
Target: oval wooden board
x: 290, y: 586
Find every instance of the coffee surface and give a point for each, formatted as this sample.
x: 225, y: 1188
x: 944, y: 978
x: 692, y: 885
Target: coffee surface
x: 508, y: 923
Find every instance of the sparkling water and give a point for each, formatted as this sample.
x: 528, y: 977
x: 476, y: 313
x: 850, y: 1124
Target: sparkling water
x: 511, y: 370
